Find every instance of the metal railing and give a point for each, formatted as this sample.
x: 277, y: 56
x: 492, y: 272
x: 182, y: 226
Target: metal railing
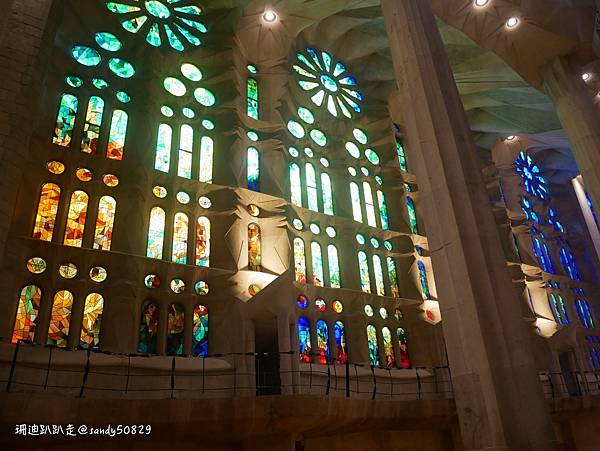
x: 569, y: 384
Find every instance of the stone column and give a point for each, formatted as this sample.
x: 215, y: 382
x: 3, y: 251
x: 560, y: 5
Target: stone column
x: 496, y: 386
x: 579, y: 117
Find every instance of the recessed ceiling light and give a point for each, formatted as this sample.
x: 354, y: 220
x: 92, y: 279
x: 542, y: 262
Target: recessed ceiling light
x: 511, y: 138
x: 512, y: 22
x: 481, y: 3
x: 586, y: 76
x: 270, y: 16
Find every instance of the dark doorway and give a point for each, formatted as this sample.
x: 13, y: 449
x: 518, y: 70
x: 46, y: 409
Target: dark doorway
x: 266, y: 339
x: 567, y: 368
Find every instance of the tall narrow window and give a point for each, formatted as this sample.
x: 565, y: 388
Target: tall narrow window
x: 116, y: 136
x: 401, y: 155
x: 60, y: 319
x: 554, y: 308
x: 363, y: 266
x: 253, y: 169
x: 76, y: 219
x: 254, y: 247
x: 295, y: 185
x: 105, y: 223
x: 252, y: 94
x: 370, y: 207
x: 383, y: 213
x: 92, y: 320
x: 304, y: 347
x: 388, y: 347
x: 317, y: 264
x: 423, y: 281
x: 45, y: 218
x: 373, y: 348
x: 393, y: 276
x: 203, y: 241
x: 327, y: 194
x: 299, y: 260
x: 200, y: 331
x: 322, y: 342
x: 378, y: 272
x: 334, y: 267
x: 355, y: 198
x: 93, y: 121
x: 548, y: 259
x: 27, y: 314
x: 180, y: 238
x: 563, y: 309
x: 403, y: 345
x: 412, y: 215
x: 65, y: 120
x: 148, y: 328
x: 341, y: 352
x: 175, y: 329
x: 156, y: 233
x: 186, y: 147
x: 311, y: 187
x: 163, y: 148
x: 536, y: 246
x: 206, y: 159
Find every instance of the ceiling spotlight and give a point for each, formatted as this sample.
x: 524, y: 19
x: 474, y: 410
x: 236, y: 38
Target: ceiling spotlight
x: 510, y: 138
x: 270, y: 16
x: 512, y: 22
x: 586, y: 76
x: 481, y: 3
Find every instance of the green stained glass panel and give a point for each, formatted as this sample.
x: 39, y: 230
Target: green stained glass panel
x: 123, y: 97
x: 363, y: 267
x: 108, y: 41
x: 157, y: 9
x: 121, y: 68
x: 100, y: 83
x: 153, y: 36
x: 191, y: 72
x: 318, y: 137
x: 120, y: 8
x: 372, y: 156
x: 74, y: 81
x: 174, y: 86
x: 204, y: 97
x: 317, y: 264
x: 86, y: 55
x: 334, y: 266
x: 383, y: 213
x: 134, y: 25
x: 306, y: 115
x: 296, y: 129
x: 174, y: 41
x: 163, y: 148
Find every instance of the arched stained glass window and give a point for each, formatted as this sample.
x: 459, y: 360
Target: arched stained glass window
x: 253, y: 169
x: 423, y: 281
x: 370, y: 207
x: 378, y: 271
x: 175, y: 329
x: 65, y: 120
x: 186, y: 146
x: 563, y: 309
x: 334, y: 267
x: 206, y: 159
x: 156, y: 233
x: 46, y: 215
x: 254, y: 247
x: 355, y: 198
x: 252, y: 94
x: 317, y: 264
x: 200, y: 332
x: 363, y: 266
x: 327, y: 194
x: 163, y: 148
x: 311, y: 187
x: 76, y: 219
x: 60, y: 319
x: 548, y: 259
x: 567, y: 260
x: 393, y: 276
x: 584, y: 312
x: 373, y: 348
x: 403, y: 345
x: 91, y: 129
x: 299, y: 260
x: 388, y: 347
x: 148, y: 327
x: 383, y: 213
x: 203, y: 241
x: 323, y: 354
x: 556, y: 309
x: 341, y: 351
x: 116, y: 136
x: 401, y: 155
x: 412, y: 215
x: 295, y: 185
x: 538, y: 251
x: 92, y: 321
x: 27, y: 314
x: 304, y: 346
x: 105, y: 223
x: 180, y: 238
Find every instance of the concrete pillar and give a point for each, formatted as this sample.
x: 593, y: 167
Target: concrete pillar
x: 575, y: 107
x: 498, y: 395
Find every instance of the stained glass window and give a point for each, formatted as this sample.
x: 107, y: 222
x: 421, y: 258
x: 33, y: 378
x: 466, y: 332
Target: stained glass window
x: 554, y: 308
x: 363, y: 266
x: 186, y: 145
x: 156, y: 233
x: 299, y: 260
x: 403, y: 345
x: 373, y: 348
x: 317, y: 264
x: 180, y: 238
x: 206, y: 159
x: 584, y: 312
x: 311, y: 187
x: 355, y: 197
x: 323, y: 354
x: 60, y: 318
x: 370, y: 207
x: 534, y: 183
x: 304, y: 346
x: 65, y: 120
x: 334, y: 266
x: 116, y: 136
x: 252, y: 94
x: 327, y: 194
x: 423, y: 281
x: 200, y: 331
x: 412, y: 215
x: 27, y: 314
x: 567, y: 260
x: 76, y: 219
x: 46, y: 215
x: 148, y: 328
x: 253, y: 169
x: 254, y: 247
x: 401, y: 155
x: 175, y: 329
x: 378, y: 272
x: 295, y: 185
x: 388, y: 348
x: 203, y: 241
x: 92, y: 321
x: 383, y: 213
x: 393, y: 276
x: 93, y: 121
x: 163, y: 148
x: 104, y: 223
x: 341, y: 351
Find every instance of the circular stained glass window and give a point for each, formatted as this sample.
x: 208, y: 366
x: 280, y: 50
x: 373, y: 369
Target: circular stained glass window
x: 74, y: 81
x: 84, y: 174
x: 331, y: 233
x: 314, y: 228
x: 183, y: 197
x: 204, y: 97
x: 296, y: 129
x: 189, y: 113
x: 177, y: 285
x: 302, y: 302
x: 379, y: 180
x: 55, y: 167
x: 67, y: 270
x: 98, y: 274
x: 352, y: 149
x: 201, y: 288
x: 152, y: 281
x: 253, y: 210
x: 352, y: 171
x: 360, y: 136
x: 325, y: 162
x: 100, y: 83
x: 320, y: 305
x: 110, y: 180
x: 337, y: 306
x: 108, y: 41
x: 167, y: 111
x: 123, y: 97
x: 306, y: 115
x: 36, y: 265
x: 372, y: 156
x: 121, y: 68
x: 159, y: 191
x: 204, y: 202
x: 293, y: 152
x: 318, y: 137
x: 191, y: 72
x: 175, y: 86
x: 368, y: 310
x: 208, y: 124
x: 398, y: 314
x: 253, y: 289
x: 297, y: 223
x: 86, y: 55
x: 383, y: 313
x: 388, y: 245
x: 252, y: 135
x: 375, y: 242
x: 360, y: 239
x: 308, y: 152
